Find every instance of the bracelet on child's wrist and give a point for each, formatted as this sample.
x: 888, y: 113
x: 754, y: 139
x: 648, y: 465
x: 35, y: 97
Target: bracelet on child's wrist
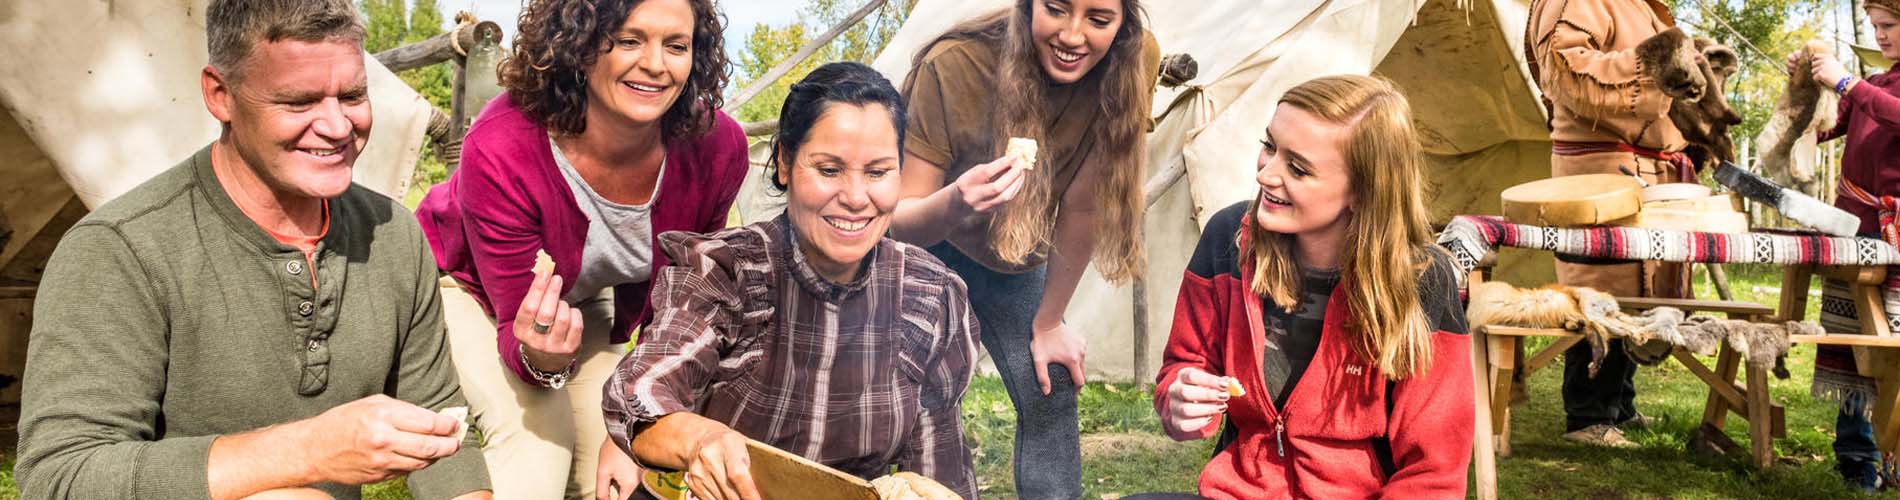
x: 1840, y: 86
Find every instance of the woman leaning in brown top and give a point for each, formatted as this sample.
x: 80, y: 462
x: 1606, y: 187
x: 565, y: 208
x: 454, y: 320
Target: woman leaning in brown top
x: 1076, y: 76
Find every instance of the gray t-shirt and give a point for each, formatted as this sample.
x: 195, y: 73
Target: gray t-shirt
x: 619, y: 248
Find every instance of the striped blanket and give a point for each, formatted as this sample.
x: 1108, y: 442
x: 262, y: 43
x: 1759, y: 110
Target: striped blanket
x: 1474, y: 239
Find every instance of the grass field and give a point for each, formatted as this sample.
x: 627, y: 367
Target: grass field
x: 1124, y: 451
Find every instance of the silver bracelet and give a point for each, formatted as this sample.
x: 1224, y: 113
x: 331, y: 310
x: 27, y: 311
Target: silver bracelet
x: 551, y: 380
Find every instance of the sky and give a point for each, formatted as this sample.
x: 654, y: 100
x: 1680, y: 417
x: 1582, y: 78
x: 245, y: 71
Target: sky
x: 741, y: 16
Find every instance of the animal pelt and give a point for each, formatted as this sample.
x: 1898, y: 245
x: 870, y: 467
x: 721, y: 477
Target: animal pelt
x: 1705, y: 122
x: 1786, y: 145
x: 1643, y: 345
x: 911, y: 486
x: 1761, y: 345
x: 1584, y: 310
x: 1495, y: 303
x: 1669, y: 59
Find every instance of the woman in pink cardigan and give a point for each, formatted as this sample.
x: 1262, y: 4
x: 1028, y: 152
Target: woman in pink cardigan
x: 608, y: 135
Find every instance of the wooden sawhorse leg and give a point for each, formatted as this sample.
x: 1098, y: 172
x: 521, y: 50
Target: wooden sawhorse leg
x: 1484, y: 458
x: 1501, y: 349
x: 1761, y: 422
x: 1710, y: 436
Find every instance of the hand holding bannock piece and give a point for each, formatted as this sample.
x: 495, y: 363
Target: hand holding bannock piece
x: 548, y: 329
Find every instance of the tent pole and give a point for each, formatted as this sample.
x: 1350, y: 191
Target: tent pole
x: 1141, y: 330
x: 1156, y: 185
x: 784, y: 67
x: 440, y: 48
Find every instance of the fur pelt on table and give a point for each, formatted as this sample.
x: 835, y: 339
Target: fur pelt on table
x: 1584, y: 310
x: 1649, y: 337
x: 1761, y: 345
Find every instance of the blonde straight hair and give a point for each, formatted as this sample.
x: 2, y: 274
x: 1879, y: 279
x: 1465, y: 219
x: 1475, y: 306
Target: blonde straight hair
x: 1388, y: 237
x: 1023, y: 227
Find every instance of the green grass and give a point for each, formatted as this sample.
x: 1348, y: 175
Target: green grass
x: 8, y: 490
x: 1124, y: 451
x: 1544, y: 465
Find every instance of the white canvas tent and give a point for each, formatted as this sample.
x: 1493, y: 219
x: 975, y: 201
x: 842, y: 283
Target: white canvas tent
x: 100, y: 96
x: 1459, y: 62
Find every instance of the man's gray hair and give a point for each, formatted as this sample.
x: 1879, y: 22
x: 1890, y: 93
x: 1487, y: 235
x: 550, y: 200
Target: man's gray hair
x: 232, y: 27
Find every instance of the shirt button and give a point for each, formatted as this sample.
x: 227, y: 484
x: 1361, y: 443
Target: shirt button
x: 305, y: 308
x: 295, y: 267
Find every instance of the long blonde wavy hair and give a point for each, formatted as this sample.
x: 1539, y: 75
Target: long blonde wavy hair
x: 1388, y: 236
x: 1023, y: 228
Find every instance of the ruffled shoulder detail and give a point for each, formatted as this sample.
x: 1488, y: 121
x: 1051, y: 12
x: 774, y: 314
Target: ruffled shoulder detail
x: 935, y: 317
x: 733, y: 268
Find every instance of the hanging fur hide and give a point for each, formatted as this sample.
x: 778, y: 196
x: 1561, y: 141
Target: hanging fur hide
x: 1705, y: 122
x: 1786, y: 147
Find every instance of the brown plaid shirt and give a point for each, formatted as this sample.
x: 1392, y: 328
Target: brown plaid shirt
x: 860, y: 376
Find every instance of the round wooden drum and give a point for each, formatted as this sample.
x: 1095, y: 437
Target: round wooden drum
x: 1576, y: 200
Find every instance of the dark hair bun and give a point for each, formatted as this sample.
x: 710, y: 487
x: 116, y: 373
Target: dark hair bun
x: 840, y: 83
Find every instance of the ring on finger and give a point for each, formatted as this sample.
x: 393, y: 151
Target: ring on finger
x: 541, y: 328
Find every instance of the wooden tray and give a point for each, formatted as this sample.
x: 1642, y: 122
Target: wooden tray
x: 780, y: 475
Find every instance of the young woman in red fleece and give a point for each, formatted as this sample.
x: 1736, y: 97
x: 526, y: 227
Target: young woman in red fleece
x: 1324, y: 301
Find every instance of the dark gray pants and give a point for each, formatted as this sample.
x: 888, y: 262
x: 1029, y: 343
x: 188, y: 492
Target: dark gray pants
x: 1048, y: 458
x: 1609, y: 398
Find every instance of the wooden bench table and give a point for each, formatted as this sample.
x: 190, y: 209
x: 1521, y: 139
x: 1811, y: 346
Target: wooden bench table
x: 1862, y: 262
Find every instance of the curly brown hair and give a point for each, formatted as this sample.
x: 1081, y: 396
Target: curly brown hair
x: 558, y: 40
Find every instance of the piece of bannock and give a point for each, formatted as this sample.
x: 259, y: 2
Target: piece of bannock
x: 1024, y: 149
x: 542, y: 262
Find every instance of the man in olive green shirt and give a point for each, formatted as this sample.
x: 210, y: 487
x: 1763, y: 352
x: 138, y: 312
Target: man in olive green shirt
x: 249, y: 321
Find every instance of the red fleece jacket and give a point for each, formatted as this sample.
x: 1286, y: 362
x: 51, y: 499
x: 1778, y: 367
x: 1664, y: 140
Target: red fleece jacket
x: 1322, y: 444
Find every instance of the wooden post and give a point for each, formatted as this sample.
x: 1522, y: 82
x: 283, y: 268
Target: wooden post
x: 1152, y: 192
x: 1484, y: 458
x: 1761, y: 442
x: 1142, y: 373
x: 759, y: 129
x: 439, y: 48
x: 1161, y: 182
x: 16, y: 320
x: 475, y: 83
x: 1719, y: 278
x: 6, y: 230
x: 1794, y: 291
x: 752, y: 90
x: 1502, y: 367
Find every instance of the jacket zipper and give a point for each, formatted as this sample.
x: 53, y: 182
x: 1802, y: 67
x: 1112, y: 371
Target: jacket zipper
x: 1279, y: 433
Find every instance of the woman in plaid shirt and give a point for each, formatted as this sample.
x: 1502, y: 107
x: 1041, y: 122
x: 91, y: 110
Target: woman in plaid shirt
x: 811, y: 332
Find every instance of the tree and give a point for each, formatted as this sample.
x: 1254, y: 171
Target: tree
x: 766, y: 46
x: 1776, y: 27
x: 389, y: 24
